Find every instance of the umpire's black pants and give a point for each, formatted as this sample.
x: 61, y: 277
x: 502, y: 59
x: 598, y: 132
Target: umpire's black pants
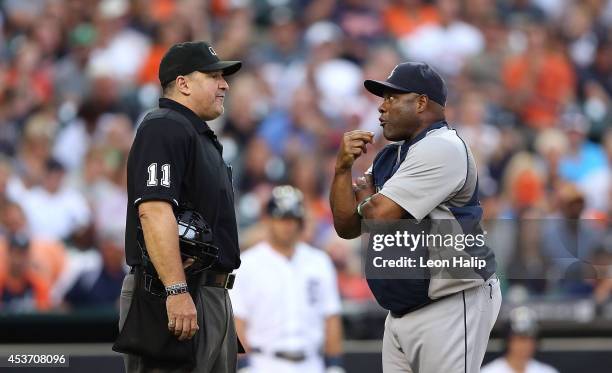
x: 216, y: 341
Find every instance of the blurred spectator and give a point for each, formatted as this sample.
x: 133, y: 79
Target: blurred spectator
x: 109, y: 200
x: 296, y: 127
x: 251, y: 104
x: 33, y: 151
x: 584, y: 162
x: 403, y: 17
x: 119, y: 51
x: 101, y: 286
x: 446, y: 45
x: 29, y: 78
x: 70, y: 80
x: 552, y: 145
x: 579, y: 30
x: 346, y: 258
x: 22, y: 289
x: 520, y: 10
x: 583, y: 157
x: 527, y: 266
x: 47, y: 256
x: 168, y: 32
x: 362, y: 24
x: 600, y: 70
x: 482, y: 137
x: 306, y: 175
x: 53, y: 210
x: 483, y: 70
x: 280, y: 57
x: 602, y: 259
x: 568, y: 242
x: 523, y: 185
x: 337, y: 80
x: 539, y: 79
x: 480, y: 13
x: 257, y: 167
x: 75, y: 138
x: 6, y: 172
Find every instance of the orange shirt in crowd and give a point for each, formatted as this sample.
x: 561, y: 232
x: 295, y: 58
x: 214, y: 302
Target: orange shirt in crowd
x: 550, y: 85
x: 400, y: 21
x: 47, y: 257
x: 162, y: 10
x: 41, y: 289
x: 149, y: 71
x: 354, y: 287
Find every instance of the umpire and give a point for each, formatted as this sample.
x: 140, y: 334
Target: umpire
x: 176, y: 162
x: 428, y: 173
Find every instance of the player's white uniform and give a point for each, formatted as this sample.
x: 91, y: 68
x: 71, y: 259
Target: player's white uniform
x: 500, y: 365
x: 284, y: 302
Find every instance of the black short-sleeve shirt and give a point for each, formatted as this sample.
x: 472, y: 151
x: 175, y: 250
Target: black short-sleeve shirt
x: 180, y: 161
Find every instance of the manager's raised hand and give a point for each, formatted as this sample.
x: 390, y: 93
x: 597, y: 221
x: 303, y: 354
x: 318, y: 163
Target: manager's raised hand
x: 354, y: 143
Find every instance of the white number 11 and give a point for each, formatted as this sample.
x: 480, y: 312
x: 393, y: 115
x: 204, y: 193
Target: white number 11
x: 152, y: 170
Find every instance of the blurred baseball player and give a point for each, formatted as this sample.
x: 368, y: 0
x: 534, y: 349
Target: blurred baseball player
x: 285, y: 301
x: 521, y: 345
x: 427, y: 174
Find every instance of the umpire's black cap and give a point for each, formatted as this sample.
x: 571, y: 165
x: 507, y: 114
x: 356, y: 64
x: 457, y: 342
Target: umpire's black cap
x: 411, y: 77
x: 185, y: 58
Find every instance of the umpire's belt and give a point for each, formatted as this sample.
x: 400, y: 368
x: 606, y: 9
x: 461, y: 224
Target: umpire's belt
x: 293, y: 356
x: 218, y: 279
x: 209, y: 278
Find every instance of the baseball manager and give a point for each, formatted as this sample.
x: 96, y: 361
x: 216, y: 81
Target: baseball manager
x: 428, y: 172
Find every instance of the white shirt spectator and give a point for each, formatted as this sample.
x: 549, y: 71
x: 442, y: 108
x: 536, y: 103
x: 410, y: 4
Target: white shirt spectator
x: 54, y: 216
x: 500, y: 365
x: 445, y: 48
x: 121, y: 58
x: 71, y: 145
x: 285, y: 301
x: 110, y: 208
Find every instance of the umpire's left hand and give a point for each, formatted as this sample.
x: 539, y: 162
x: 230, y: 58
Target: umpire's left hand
x: 182, y: 316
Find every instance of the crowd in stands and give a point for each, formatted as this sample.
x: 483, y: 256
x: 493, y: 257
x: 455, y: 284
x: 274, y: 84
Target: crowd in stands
x: 530, y: 90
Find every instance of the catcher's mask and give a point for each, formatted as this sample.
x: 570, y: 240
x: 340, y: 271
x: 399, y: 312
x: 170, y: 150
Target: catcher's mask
x: 195, y: 242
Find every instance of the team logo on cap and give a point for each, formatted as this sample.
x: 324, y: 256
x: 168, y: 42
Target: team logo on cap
x: 212, y: 51
x: 392, y: 71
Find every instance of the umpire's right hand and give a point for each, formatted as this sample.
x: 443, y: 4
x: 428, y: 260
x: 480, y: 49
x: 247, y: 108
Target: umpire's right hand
x: 182, y: 316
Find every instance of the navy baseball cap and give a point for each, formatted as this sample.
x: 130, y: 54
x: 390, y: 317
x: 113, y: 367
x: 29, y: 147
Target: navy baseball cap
x: 411, y: 77
x: 185, y: 58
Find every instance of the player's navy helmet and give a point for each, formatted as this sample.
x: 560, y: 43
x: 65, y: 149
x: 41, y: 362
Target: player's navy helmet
x: 286, y: 202
x: 523, y: 321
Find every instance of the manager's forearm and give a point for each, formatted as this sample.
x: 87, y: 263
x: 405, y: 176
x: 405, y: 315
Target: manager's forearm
x: 161, y: 239
x: 344, y: 205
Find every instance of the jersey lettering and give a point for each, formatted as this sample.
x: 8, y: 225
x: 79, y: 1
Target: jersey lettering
x: 152, y: 170
x: 165, y: 181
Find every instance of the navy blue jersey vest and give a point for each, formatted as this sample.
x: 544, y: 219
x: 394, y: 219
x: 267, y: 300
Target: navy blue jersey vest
x: 401, y: 296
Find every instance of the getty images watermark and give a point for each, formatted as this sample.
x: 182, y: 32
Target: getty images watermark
x: 517, y: 249
x: 410, y: 242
